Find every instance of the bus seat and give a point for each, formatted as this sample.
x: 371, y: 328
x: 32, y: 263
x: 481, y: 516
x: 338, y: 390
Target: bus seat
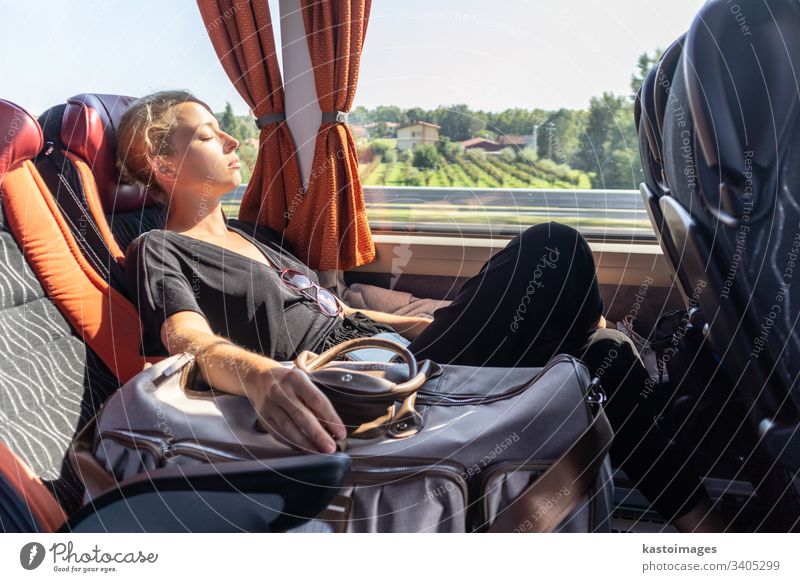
x: 104, y: 214
x: 730, y: 160
x: 272, y: 495
x: 105, y: 319
x: 52, y: 382
x: 650, y: 106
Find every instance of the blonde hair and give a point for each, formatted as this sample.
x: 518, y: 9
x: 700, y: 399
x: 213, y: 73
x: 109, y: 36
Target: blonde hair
x: 143, y: 134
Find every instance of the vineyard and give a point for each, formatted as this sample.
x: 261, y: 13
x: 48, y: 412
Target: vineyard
x: 470, y: 169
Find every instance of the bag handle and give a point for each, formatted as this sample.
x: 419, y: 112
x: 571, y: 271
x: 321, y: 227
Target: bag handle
x: 360, y: 343
x: 549, y: 499
x: 309, y: 362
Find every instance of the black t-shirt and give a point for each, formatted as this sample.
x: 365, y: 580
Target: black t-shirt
x: 242, y: 299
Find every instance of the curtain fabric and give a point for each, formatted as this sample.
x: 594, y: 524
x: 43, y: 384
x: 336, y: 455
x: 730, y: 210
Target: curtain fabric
x: 333, y: 216
x: 326, y: 223
x: 241, y: 33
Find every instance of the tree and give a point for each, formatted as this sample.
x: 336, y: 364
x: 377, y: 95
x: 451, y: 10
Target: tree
x: 227, y: 121
x: 449, y: 150
x: 379, y: 147
x: 458, y: 122
x: 380, y: 129
x: 644, y: 64
x: 508, y: 155
x: 426, y: 157
x: 419, y: 114
x: 389, y: 113
x: 389, y: 156
x: 559, y: 136
x: 608, y: 145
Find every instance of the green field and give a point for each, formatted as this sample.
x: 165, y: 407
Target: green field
x: 471, y: 170
x: 455, y: 214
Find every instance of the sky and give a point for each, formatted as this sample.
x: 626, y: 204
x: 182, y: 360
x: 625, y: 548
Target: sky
x: 489, y: 54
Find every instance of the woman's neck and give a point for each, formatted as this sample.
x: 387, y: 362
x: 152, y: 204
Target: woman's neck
x: 203, y: 221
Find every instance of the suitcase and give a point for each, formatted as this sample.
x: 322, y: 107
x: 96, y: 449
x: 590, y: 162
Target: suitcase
x: 434, y: 448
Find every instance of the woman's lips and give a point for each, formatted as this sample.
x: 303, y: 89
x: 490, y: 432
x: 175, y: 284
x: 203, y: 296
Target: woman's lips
x: 234, y: 164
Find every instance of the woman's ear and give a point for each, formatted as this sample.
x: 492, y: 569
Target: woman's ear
x: 163, y: 167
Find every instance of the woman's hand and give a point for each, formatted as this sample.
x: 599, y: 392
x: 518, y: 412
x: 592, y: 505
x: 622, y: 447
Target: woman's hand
x: 346, y: 309
x: 293, y: 410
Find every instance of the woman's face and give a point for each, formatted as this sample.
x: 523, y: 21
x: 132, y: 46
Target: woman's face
x: 203, y: 163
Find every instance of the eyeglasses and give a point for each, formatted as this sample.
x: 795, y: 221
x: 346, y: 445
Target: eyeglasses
x: 297, y: 281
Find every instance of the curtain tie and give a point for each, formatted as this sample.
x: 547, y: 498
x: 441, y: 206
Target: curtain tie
x: 334, y: 117
x: 265, y: 120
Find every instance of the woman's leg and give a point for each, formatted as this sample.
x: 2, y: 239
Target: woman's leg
x: 538, y: 297
x: 525, y: 300
x: 640, y: 448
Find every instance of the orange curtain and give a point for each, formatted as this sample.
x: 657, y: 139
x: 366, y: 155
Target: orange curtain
x: 241, y: 33
x: 330, y: 218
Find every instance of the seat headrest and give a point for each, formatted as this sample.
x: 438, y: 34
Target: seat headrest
x: 22, y: 137
x: 88, y: 130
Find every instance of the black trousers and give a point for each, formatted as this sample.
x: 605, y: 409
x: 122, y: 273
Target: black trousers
x: 539, y: 297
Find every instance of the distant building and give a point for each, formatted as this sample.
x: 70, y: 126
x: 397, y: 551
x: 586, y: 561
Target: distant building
x: 391, y: 127
x: 360, y: 133
x: 420, y: 132
x: 515, y: 141
x: 481, y: 143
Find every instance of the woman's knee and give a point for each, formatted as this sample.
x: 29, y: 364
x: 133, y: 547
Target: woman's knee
x: 609, y: 352
x: 557, y: 240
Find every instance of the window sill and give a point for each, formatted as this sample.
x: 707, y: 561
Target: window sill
x: 618, y: 263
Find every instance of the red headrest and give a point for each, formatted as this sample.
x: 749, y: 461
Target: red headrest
x: 88, y: 130
x: 21, y: 137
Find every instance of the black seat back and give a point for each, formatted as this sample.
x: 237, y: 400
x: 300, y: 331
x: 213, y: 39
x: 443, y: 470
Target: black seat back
x: 731, y: 160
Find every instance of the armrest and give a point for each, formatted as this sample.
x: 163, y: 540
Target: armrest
x: 260, y: 496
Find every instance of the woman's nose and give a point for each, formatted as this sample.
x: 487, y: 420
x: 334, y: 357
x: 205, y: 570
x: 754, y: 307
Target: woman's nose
x: 231, y: 143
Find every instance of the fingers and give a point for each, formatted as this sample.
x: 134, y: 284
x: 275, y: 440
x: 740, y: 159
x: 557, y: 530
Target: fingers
x: 321, y: 407
x: 283, y: 428
x: 292, y: 397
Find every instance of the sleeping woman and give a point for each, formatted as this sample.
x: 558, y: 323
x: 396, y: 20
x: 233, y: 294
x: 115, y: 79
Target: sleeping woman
x: 238, y: 297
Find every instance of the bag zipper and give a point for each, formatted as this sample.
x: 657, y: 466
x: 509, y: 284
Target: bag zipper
x: 164, y: 449
x: 430, y: 397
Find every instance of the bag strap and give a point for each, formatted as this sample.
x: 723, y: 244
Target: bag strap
x: 314, y: 364
x: 95, y: 478
x: 312, y: 361
x: 548, y: 500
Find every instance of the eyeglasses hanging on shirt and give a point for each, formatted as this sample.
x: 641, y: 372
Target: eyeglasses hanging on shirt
x: 296, y: 281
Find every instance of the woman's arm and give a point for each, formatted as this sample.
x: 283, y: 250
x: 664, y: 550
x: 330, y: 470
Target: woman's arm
x: 288, y: 403
x: 406, y: 325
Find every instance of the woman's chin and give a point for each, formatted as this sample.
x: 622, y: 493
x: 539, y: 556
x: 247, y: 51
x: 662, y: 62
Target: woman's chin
x: 237, y: 177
